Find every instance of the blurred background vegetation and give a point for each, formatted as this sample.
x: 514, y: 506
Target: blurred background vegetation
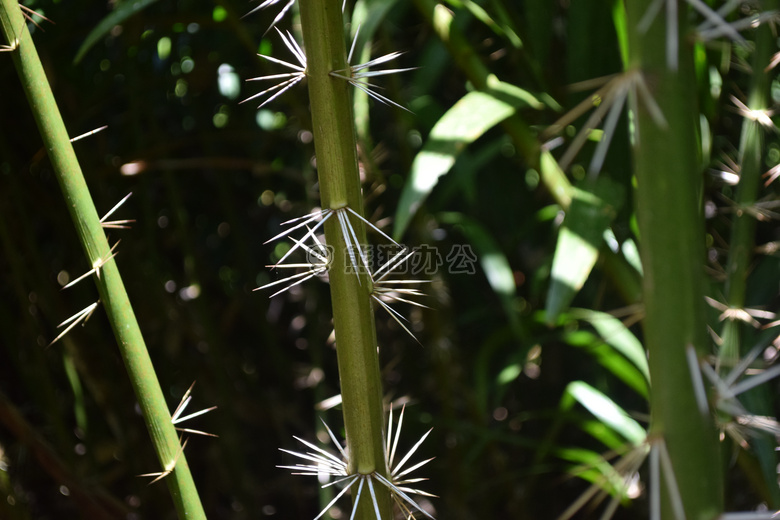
x: 212, y: 179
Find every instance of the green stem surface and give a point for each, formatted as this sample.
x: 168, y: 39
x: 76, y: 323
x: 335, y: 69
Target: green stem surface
x: 751, y: 154
x: 110, y: 287
x: 673, y: 254
x: 353, y: 319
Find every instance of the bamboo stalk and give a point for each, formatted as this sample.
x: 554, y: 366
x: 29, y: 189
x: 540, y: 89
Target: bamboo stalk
x: 336, y: 152
x: 672, y: 250
x: 751, y: 152
x: 109, y: 283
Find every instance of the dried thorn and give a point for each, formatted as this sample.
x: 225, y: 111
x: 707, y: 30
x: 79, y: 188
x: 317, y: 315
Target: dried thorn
x: 294, y: 77
x: 118, y: 224
x: 356, y: 78
x: 100, y: 262
x: 278, y: 17
x: 772, y: 174
x: 397, y: 317
x: 29, y: 13
x: 87, y: 134
x: 10, y: 48
x: 340, y: 494
x: 176, y: 416
x: 115, y: 223
x: 197, y: 432
x: 80, y: 317
x: 760, y: 116
x: 609, y: 101
x: 168, y: 467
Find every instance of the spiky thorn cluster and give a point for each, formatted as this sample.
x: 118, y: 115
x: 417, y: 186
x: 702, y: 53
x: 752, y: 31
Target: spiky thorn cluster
x: 383, y: 290
x: 732, y: 417
x: 29, y: 15
x: 730, y: 414
x: 356, y: 75
x: 176, y: 418
x: 714, y: 25
x: 609, y: 101
x: 322, y: 462
x: 287, y: 5
x: 615, y: 90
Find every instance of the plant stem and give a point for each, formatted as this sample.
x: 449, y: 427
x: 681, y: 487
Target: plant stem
x: 353, y: 319
x: 672, y: 251
x: 109, y: 283
x: 751, y: 151
x: 735, y: 333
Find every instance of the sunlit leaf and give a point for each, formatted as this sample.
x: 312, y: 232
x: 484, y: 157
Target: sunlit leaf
x: 607, y: 411
x: 461, y: 125
x: 611, y: 359
x: 603, y: 433
x: 591, y: 212
x: 592, y: 467
x: 617, y: 336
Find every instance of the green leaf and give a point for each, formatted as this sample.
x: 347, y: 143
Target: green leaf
x: 592, y: 467
x: 617, y: 336
x: 480, y: 14
x: 611, y: 359
x: 123, y: 11
x: 590, y: 214
x: 606, y: 410
x: 472, y: 116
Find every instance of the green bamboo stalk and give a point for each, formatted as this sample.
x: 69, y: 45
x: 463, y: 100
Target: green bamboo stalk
x: 109, y: 283
x: 353, y: 320
x: 751, y: 152
x: 742, y: 242
x: 672, y: 250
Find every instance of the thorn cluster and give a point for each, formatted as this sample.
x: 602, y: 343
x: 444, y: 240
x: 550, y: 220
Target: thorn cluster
x: 355, y: 75
x: 609, y: 101
x: 383, y: 290
x: 176, y: 418
x: 321, y: 462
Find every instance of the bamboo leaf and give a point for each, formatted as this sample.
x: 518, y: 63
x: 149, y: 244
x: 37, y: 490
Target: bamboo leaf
x: 591, y: 212
x: 472, y: 116
x: 611, y: 359
x: 617, y: 336
x: 606, y: 410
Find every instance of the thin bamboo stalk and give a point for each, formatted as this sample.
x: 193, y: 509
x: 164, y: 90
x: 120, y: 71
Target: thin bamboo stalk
x: 751, y: 151
x: 109, y: 283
